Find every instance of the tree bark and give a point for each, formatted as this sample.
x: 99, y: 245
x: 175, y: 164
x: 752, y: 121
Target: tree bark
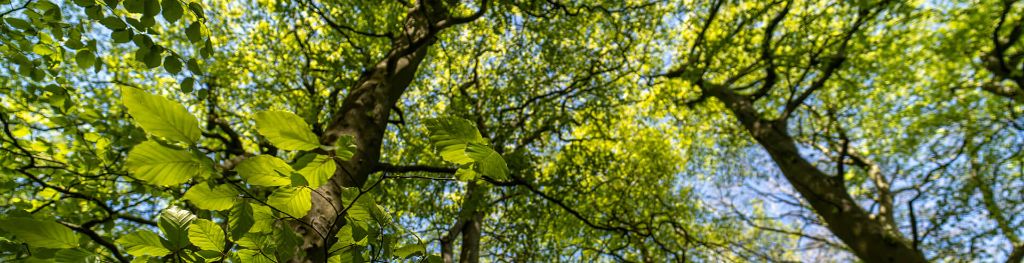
x: 364, y: 115
x: 868, y: 237
x: 1017, y: 254
x: 469, y: 225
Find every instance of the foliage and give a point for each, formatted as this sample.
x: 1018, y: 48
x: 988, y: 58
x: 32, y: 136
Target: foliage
x: 523, y: 131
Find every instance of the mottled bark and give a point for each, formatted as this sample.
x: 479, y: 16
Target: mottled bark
x: 870, y: 238
x: 364, y: 115
x: 468, y: 225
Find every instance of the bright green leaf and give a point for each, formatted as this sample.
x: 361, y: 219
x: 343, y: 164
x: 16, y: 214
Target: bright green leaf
x: 409, y: 250
x: 294, y: 201
x: 488, y: 161
x: 160, y: 116
x: 254, y: 256
x: 265, y: 170
x: 450, y: 136
x: 160, y: 165
x: 143, y: 243
x: 346, y: 147
x: 206, y: 235
x: 263, y: 219
x: 43, y: 234
x: 318, y: 171
x: 174, y: 223
x: 286, y: 130
x: 217, y: 198
x: 42, y: 49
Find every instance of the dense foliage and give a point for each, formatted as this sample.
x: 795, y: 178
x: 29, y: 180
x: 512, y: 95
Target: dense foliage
x: 511, y: 131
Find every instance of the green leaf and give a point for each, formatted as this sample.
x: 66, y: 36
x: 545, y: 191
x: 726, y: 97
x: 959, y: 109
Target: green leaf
x: 160, y: 116
x: 240, y: 219
x: 346, y: 147
x: 195, y: 32
x: 265, y: 170
x: 263, y: 219
x: 488, y: 161
x: 193, y: 65
x: 254, y: 256
x: 294, y: 201
x: 186, y: 84
x: 85, y: 59
x: 121, y: 36
x: 450, y: 136
x: 135, y: 6
x: 85, y: 3
x: 113, y: 23
x: 19, y: 23
x: 174, y: 223
x: 154, y: 57
x: 286, y: 130
x: 43, y: 234
x: 172, y: 64
x: 362, y: 208
x: 172, y: 10
x: 206, y: 235
x: 143, y: 243
x: 349, y: 235
x: 42, y: 49
x: 74, y: 256
x: 466, y: 175
x: 318, y: 171
x: 409, y: 250
x: 151, y: 8
x: 350, y: 253
x: 197, y: 9
x: 218, y: 198
x: 159, y: 165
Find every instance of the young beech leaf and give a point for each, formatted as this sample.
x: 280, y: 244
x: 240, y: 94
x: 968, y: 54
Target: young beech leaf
x: 160, y: 116
x: 263, y: 219
x: 294, y: 201
x: 240, y: 219
x: 217, y: 198
x: 265, y: 170
x: 206, y: 235
x: 160, y: 165
x: 346, y: 147
x: 286, y: 130
x: 174, y: 223
x: 42, y: 234
x: 143, y: 243
x: 318, y: 170
x: 450, y: 136
x: 488, y: 161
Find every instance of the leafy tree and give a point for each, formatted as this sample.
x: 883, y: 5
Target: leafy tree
x: 523, y: 131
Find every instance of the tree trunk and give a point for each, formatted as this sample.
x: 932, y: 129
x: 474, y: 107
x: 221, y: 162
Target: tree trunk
x: 1016, y: 255
x: 869, y: 238
x: 363, y: 115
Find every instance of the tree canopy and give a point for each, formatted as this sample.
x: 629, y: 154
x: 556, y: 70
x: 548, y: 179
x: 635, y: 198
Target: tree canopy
x: 511, y: 131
